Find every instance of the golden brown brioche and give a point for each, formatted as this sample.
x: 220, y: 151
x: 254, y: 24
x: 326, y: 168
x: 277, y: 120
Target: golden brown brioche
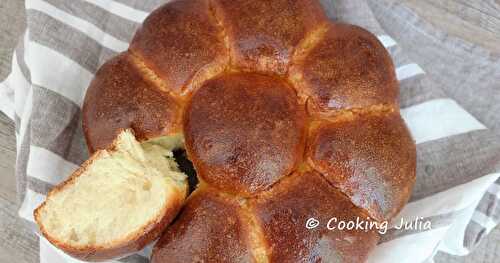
x: 211, y: 228
x: 244, y: 131
x: 347, y: 69
x: 286, y: 116
x: 371, y: 159
x: 263, y: 35
x: 119, y: 98
x: 181, y: 42
x: 282, y: 211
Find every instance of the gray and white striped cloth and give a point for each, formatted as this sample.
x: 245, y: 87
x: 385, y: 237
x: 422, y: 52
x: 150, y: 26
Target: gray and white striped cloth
x: 453, y: 117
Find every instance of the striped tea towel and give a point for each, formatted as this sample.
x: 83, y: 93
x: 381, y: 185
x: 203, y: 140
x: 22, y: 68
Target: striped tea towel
x: 457, y: 189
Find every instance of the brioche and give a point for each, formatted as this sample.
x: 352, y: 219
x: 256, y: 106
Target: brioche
x: 286, y: 116
x: 118, y: 201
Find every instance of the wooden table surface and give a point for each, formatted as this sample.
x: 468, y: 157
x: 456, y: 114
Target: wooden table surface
x: 477, y: 21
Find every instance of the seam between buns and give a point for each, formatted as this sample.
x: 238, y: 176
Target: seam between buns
x: 344, y: 115
x: 308, y: 43
x: 219, y: 65
x: 256, y: 236
x: 147, y: 73
x: 294, y: 73
x: 351, y: 114
x: 219, y: 24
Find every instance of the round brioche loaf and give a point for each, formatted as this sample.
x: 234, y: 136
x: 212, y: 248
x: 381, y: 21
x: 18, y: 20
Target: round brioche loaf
x: 285, y: 115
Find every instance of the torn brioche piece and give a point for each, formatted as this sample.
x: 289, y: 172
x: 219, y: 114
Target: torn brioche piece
x: 118, y: 201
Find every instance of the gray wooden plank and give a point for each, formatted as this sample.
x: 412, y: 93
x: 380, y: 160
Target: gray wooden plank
x: 475, y: 21
x: 17, y: 242
x: 490, y: 8
x: 7, y: 158
x: 12, y: 23
x: 484, y: 14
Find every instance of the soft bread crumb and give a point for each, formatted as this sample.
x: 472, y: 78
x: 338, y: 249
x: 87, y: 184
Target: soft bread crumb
x: 117, y: 194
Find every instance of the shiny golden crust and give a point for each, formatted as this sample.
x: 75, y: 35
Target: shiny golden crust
x: 181, y: 42
x: 248, y: 82
x: 244, y: 131
x: 283, y: 211
x: 264, y: 34
x: 120, y: 97
x: 371, y: 159
x: 348, y: 69
x: 211, y: 228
